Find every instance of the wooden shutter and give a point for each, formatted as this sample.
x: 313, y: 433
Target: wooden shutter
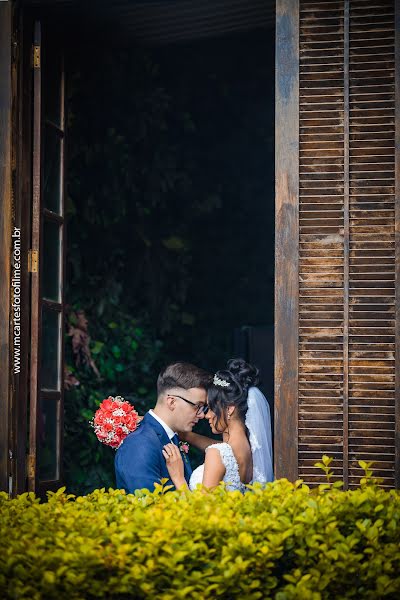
x: 342, y: 396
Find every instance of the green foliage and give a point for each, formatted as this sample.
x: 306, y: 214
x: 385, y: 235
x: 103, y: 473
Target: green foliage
x: 125, y: 355
x: 325, y: 466
x: 283, y: 542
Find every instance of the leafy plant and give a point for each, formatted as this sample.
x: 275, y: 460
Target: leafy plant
x: 283, y: 541
x: 121, y: 361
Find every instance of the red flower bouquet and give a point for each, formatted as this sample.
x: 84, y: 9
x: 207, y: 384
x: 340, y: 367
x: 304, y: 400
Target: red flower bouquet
x: 113, y: 420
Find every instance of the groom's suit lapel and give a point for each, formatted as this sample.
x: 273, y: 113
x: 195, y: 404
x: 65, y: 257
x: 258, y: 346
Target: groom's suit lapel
x: 164, y: 439
x: 188, y: 467
x: 158, y: 428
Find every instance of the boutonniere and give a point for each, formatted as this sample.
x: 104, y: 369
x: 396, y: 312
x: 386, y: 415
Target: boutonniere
x: 184, y: 448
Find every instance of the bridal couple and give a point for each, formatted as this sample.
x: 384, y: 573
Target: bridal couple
x: 234, y: 408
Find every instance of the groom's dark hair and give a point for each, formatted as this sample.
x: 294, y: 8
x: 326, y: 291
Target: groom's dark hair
x: 182, y: 375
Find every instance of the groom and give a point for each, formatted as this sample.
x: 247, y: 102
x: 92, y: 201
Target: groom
x: 181, y: 397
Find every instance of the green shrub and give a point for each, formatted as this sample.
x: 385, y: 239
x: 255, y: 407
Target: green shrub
x: 284, y: 541
x: 122, y: 358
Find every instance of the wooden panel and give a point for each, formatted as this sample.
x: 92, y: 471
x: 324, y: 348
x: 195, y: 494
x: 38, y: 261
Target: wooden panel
x: 347, y: 248
x: 322, y: 251
x: 35, y: 277
x: 5, y: 233
x: 22, y: 209
x: 286, y: 256
x: 372, y: 237
x: 47, y: 284
x: 397, y: 237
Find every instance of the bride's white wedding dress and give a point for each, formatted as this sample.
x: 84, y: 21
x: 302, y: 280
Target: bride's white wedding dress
x: 231, y: 477
x: 258, y: 423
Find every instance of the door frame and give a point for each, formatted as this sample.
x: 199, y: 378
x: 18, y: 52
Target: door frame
x: 286, y: 238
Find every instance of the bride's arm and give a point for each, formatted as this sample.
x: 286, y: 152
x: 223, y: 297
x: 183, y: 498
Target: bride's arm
x: 214, y: 469
x: 196, y: 439
x: 174, y: 462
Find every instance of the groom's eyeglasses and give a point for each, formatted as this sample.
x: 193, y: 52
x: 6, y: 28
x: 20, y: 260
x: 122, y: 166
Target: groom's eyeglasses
x: 200, y: 408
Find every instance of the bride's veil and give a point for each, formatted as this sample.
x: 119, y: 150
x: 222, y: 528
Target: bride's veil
x: 258, y: 422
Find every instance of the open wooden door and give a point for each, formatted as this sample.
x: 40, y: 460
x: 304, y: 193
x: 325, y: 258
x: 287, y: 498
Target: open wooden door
x: 338, y: 251
x: 47, y: 269
x: 5, y: 237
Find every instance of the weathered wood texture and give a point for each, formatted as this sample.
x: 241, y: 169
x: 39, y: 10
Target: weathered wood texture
x: 287, y: 227
x: 35, y: 277
x: 347, y: 251
x: 372, y: 382
x: 397, y: 237
x: 321, y: 216
x: 22, y: 219
x: 5, y: 234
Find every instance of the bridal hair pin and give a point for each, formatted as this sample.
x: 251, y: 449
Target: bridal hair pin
x: 220, y: 382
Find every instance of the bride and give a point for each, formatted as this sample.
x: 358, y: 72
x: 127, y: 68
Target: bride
x: 238, y: 410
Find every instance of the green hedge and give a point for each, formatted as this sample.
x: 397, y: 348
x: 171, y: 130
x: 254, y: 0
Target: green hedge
x: 285, y: 541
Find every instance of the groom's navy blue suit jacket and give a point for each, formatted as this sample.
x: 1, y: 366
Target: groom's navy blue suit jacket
x: 139, y: 462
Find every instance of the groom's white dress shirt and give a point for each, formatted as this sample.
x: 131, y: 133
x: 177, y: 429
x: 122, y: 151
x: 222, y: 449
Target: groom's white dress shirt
x: 168, y: 429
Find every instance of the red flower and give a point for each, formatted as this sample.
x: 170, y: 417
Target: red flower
x: 111, y: 428
x: 108, y: 403
x: 99, y: 417
x: 130, y: 421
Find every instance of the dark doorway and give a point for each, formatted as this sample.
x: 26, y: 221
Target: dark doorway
x: 170, y: 217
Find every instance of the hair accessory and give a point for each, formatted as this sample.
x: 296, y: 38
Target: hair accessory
x: 220, y: 382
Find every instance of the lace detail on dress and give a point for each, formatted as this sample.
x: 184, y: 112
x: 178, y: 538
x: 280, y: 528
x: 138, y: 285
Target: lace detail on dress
x: 231, y: 477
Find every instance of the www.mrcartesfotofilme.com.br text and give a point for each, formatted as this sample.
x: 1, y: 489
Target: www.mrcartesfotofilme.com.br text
x: 16, y: 297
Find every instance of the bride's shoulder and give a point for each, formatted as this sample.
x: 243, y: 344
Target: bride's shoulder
x: 221, y: 446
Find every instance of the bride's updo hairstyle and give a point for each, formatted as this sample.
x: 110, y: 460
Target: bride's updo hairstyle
x: 239, y: 376
x: 248, y: 375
